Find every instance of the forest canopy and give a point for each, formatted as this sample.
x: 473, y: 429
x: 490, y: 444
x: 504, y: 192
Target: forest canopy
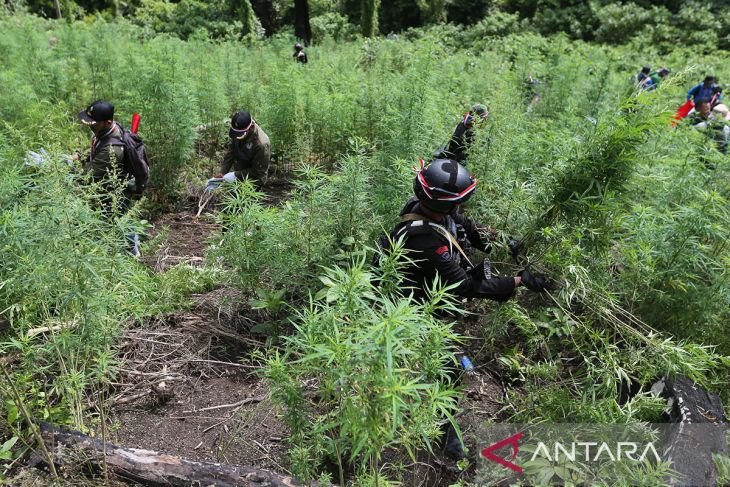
x: 664, y: 24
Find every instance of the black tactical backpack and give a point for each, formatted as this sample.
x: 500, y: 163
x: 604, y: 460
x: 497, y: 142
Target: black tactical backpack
x: 136, y: 162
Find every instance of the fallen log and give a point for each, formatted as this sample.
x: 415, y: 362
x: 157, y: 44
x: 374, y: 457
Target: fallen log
x: 152, y: 468
x: 698, y: 429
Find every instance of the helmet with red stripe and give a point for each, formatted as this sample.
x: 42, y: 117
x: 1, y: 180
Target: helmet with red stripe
x: 443, y: 184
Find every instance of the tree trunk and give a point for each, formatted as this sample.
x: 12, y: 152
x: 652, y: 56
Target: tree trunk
x: 152, y: 468
x: 302, y: 29
x: 369, y: 20
x: 248, y: 18
x: 57, y: 3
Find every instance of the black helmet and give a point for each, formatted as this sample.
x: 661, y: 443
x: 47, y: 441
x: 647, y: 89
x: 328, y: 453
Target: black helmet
x: 298, y: 47
x: 241, y: 125
x: 443, y: 184
x: 646, y: 69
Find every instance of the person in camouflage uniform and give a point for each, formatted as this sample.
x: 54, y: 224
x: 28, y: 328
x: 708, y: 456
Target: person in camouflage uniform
x: 104, y: 163
x: 249, y: 154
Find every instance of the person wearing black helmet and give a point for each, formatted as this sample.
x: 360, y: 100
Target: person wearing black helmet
x: 463, y: 136
x: 249, y: 154
x: 299, y: 55
x: 431, y: 228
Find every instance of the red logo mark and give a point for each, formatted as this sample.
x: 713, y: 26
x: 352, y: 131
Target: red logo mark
x: 442, y: 250
x: 512, y: 440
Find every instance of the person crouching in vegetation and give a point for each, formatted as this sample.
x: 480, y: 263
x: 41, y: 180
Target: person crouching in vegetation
x: 299, y: 55
x: 707, y: 90
x: 710, y: 91
x: 435, y: 236
x: 531, y: 92
x: 714, y: 126
x: 652, y: 81
x: 458, y: 147
x: 643, y: 75
x: 104, y: 163
x: 249, y: 154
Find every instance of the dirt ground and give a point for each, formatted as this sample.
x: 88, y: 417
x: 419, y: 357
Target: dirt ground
x: 186, y: 385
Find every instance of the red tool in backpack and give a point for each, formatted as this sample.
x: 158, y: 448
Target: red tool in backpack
x: 135, y: 123
x: 136, y: 162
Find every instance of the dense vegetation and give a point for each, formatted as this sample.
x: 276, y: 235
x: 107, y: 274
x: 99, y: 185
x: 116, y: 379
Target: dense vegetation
x: 612, y: 201
x: 661, y: 24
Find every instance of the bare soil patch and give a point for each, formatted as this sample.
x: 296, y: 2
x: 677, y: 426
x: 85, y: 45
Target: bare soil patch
x: 186, y: 386
x: 186, y: 383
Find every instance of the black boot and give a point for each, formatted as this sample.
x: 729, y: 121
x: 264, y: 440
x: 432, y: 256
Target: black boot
x: 453, y: 448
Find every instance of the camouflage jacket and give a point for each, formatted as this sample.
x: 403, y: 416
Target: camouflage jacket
x: 249, y: 157
x: 105, y: 159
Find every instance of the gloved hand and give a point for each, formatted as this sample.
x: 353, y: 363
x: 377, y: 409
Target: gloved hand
x: 536, y: 282
x: 229, y: 176
x: 515, y: 246
x: 482, y: 271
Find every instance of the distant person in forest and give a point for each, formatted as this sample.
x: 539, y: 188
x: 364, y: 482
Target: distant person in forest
x: 652, y: 81
x: 708, y: 90
x: 532, y: 92
x: 105, y: 162
x: 714, y: 126
x: 249, y: 153
x: 299, y: 55
x: 438, y: 238
x: 643, y: 75
x: 463, y: 136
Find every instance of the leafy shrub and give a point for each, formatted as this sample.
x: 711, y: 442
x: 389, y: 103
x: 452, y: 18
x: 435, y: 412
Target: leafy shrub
x: 496, y: 23
x: 622, y: 21
x: 332, y: 24
x: 67, y: 289
x: 217, y: 19
x: 379, y: 365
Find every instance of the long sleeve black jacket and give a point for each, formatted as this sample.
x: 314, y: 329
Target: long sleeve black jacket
x: 433, y: 254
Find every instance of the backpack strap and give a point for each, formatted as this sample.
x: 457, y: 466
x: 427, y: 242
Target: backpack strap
x: 415, y: 217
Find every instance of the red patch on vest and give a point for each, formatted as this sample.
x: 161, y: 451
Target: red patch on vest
x: 442, y: 250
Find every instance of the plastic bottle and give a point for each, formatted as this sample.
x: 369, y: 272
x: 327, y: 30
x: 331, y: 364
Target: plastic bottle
x: 466, y: 363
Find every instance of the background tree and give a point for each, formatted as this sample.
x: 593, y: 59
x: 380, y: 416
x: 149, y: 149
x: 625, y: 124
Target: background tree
x: 248, y: 18
x: 369, y: 19
x: 302, y: 29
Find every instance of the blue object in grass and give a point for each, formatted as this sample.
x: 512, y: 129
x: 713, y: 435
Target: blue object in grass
x: 466, y: 363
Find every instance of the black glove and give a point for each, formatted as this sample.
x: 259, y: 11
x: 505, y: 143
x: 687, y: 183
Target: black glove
x: 536, y: 282
x: 482, y: 272
x: 515, y: 246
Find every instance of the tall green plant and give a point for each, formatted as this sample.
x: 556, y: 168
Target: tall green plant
x: 379, y: 363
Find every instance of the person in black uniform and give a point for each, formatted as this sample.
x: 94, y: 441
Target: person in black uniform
x: 299, y: 55
x: 436, y: 237
x: 463, y: 136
